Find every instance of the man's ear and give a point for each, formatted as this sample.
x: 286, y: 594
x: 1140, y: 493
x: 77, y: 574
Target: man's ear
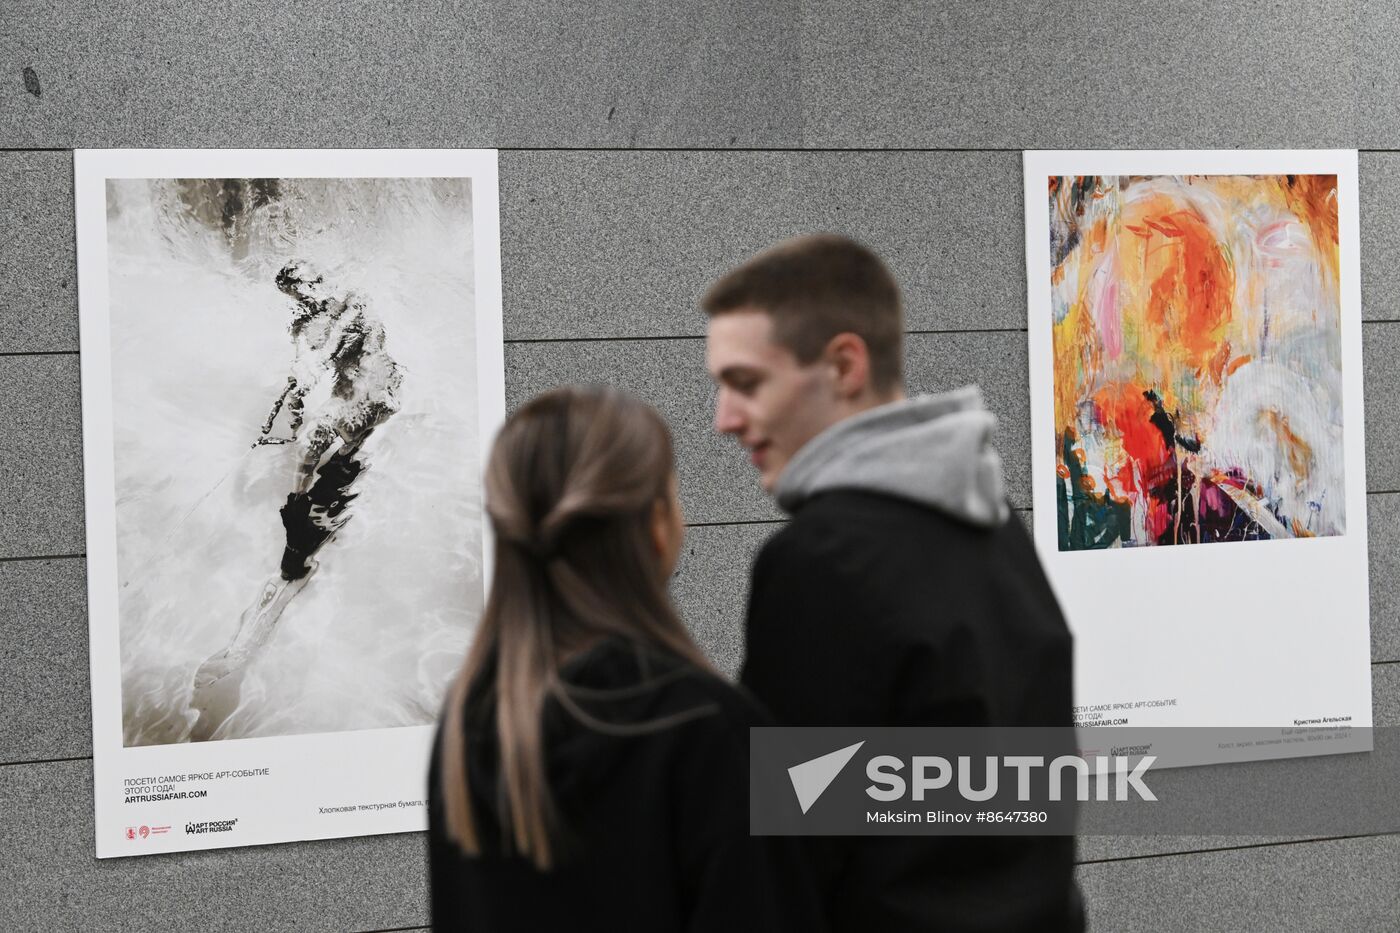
x: 849, y: 356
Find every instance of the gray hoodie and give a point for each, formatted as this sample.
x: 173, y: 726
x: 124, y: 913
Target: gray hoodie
x: 935, y: 450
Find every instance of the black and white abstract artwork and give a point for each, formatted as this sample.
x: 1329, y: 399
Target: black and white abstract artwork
x: 296, y: 426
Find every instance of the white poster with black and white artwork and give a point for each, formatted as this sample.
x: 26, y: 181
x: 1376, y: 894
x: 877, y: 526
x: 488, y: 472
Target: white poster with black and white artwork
x: 292, y: 362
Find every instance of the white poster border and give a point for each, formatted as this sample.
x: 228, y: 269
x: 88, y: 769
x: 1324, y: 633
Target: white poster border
x: 1287, y: 638
x: 318, y: 786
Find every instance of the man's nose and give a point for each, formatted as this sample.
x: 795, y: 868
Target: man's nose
x: 728, y: 418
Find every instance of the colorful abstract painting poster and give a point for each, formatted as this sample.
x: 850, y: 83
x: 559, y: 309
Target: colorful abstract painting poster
x: 1195, y: 361
x: 1198, y: 358
x: 291, y: 361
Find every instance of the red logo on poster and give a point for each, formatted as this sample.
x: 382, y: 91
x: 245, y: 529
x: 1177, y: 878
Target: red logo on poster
x: 131, y: 832
x: 145, y: 831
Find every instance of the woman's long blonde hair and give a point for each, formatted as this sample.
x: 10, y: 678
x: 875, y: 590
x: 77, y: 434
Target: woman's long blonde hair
x: 571, y: 487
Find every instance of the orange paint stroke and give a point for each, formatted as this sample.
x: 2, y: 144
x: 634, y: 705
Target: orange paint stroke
x: 1126, y: 414
x: 1313, y: 198
x: 1298, y: 451
x: 1191, y: 293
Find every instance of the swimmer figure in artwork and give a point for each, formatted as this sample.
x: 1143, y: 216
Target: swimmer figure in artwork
x: 342, y: 386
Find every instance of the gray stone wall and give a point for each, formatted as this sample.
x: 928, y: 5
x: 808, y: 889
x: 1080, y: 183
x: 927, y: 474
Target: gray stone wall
x: 646, y: 147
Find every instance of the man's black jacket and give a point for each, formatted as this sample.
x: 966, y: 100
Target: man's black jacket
x: 871, y: 610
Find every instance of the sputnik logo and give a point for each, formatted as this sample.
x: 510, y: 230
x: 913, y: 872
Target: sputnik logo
x: 811, y: 778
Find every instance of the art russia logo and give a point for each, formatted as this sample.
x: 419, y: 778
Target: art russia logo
x: 210, y: 826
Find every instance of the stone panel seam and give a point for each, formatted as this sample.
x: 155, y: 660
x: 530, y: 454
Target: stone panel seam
x: 1239, y: 848
x: 43, y: 761
x: 7, y: 560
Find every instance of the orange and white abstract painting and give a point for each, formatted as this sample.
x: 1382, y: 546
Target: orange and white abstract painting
x: 1197, y: 358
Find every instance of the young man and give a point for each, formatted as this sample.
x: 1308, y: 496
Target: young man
x: 901, y: 593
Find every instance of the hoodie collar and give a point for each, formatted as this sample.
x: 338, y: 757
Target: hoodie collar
x: 934, y: 450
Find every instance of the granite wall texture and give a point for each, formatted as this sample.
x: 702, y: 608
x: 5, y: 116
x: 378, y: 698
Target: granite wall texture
x: 646, y: 147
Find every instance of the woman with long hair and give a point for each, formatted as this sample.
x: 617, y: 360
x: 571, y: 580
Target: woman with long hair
x: 591, y: 767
